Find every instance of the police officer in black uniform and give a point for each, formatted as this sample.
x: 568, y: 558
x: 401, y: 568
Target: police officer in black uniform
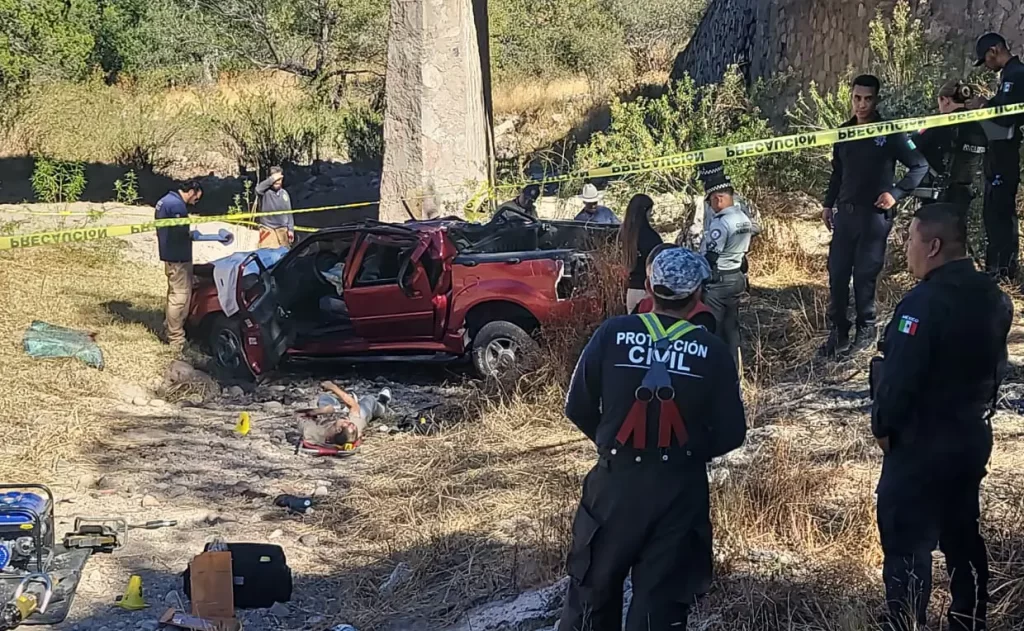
x: 659, y: 397
x: 1002, y: 166
x: 934, y: 393
x: 524, y: 204
x: 954, y: 152
x: 858, y: 208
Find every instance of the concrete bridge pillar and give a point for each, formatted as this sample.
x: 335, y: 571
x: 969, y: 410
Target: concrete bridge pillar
x: 435, y: 126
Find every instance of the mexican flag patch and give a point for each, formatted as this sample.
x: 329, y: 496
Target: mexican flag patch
x: 908, y: 325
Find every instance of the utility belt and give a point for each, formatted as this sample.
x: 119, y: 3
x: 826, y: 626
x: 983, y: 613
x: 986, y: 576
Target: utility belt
x: 876, y: 372
x: 625, y: 457
x: 871, y: 208
x: 732, y: 272
x: 940, y: 193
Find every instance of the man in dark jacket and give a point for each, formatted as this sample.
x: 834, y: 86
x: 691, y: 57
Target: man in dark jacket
x: 858, y: 209
x: 1002, y: 164
x: 175, y: 245
x: 524, y: 203
x: 660, y: 398
x: 944, y: 357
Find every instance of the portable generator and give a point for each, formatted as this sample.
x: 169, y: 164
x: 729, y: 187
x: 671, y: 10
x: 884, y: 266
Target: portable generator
x: 38, y: 575
x: 26, y: 529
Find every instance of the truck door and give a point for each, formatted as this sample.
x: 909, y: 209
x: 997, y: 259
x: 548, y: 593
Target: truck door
x: 389, y: 293
x: 263, y: 326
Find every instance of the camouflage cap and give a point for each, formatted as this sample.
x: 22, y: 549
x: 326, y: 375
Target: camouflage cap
x: 677, y: 272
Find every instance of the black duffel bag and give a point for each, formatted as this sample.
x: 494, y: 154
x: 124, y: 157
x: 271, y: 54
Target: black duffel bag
x: 261, y: 573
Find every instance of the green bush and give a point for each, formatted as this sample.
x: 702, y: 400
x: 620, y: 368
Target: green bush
x: 687, y: 118
x: 551, y: 38
x: 58, y: 181
x: 361, y: 134
x: 911, y: 71
x: 655, y: 30
x: 910, y: 68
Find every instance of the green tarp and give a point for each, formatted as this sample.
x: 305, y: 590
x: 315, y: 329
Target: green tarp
x: 49, y: 340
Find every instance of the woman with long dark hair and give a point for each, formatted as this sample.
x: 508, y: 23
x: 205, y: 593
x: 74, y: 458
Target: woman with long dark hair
x: 636, y: 240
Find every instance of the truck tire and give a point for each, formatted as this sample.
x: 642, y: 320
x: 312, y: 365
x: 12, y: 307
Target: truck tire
x: 224, y: 342
x: 500, y: 348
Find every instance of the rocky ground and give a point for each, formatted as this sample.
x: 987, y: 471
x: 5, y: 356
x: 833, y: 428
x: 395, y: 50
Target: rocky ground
x: 170, y: 452
x: 183, y: 461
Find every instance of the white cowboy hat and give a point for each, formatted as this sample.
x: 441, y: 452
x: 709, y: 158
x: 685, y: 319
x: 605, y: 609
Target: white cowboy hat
x: 590, y: 194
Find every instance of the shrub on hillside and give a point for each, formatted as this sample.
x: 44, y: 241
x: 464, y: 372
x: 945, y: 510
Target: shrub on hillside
x: 58, y: 181
x: 910, y: 68
x: 655, y: 30
x: 542, y: 38
x: 687, y: 118
x: 261, y: 132
x: 361, y: 135
x: 93, y: 122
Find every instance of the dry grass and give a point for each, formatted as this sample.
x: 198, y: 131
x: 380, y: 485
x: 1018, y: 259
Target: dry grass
x: 482, y: 508
x: 48, y: 406
x: 516, y: 98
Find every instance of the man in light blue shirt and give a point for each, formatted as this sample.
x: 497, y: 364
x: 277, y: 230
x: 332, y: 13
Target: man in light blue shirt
x: 592, y: 212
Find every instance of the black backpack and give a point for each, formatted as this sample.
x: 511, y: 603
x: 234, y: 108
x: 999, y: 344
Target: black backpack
x: 262, y: 576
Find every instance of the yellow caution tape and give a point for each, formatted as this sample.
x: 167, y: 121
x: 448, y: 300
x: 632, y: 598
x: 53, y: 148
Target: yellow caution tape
x: 785, y: 144
x: 80, y: 235
x: 748, y: 149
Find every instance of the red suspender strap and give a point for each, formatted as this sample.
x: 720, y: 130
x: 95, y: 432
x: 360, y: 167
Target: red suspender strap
x: 635, y: 426
x: 671, y: 422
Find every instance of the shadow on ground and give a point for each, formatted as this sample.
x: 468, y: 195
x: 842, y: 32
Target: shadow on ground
x: 306, y: 185
x: 130, y: 313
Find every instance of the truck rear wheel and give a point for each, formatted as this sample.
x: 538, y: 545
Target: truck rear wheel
x: 500, y: 348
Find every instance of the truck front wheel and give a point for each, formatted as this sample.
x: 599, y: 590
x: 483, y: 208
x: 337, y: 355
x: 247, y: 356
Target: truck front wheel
x: 502, y: 347
x: 224, y: 341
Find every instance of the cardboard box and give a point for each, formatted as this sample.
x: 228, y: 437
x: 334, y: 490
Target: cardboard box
x: 213, y: 586
x: 213, y: 594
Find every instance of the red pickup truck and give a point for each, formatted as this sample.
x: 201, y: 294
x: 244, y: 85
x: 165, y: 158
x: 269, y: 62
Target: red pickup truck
x: 420, y: 292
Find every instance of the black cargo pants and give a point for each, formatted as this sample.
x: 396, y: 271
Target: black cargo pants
x: 648, y: 519
x: 1002, y: 179
x: 859, y: 238
x: 723, y: 298
x: 914, y: 514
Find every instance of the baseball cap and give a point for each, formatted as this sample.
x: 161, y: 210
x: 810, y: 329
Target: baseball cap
x: 716, y: 182
x: 985, y: 42
x: 531, y: 191
x: 677, y: 272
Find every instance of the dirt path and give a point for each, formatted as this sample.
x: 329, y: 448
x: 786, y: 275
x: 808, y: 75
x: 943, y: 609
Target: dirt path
x: 179, y: 462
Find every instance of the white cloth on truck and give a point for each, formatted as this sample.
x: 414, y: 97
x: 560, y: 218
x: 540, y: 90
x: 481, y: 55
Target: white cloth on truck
x: 336, y: 277
x: 225, y: 274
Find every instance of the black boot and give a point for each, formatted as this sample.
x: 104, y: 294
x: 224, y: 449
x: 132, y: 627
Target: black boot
x: 865, y: 337
x: 836, y: 344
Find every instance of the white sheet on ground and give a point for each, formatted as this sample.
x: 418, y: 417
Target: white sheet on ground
x: 225, y: 274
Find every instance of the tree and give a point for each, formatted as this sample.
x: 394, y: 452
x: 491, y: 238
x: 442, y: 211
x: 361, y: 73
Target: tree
x: 318, y: 40
x: 45, y: 38
x: 545, y: 38
x: 655, y: 30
